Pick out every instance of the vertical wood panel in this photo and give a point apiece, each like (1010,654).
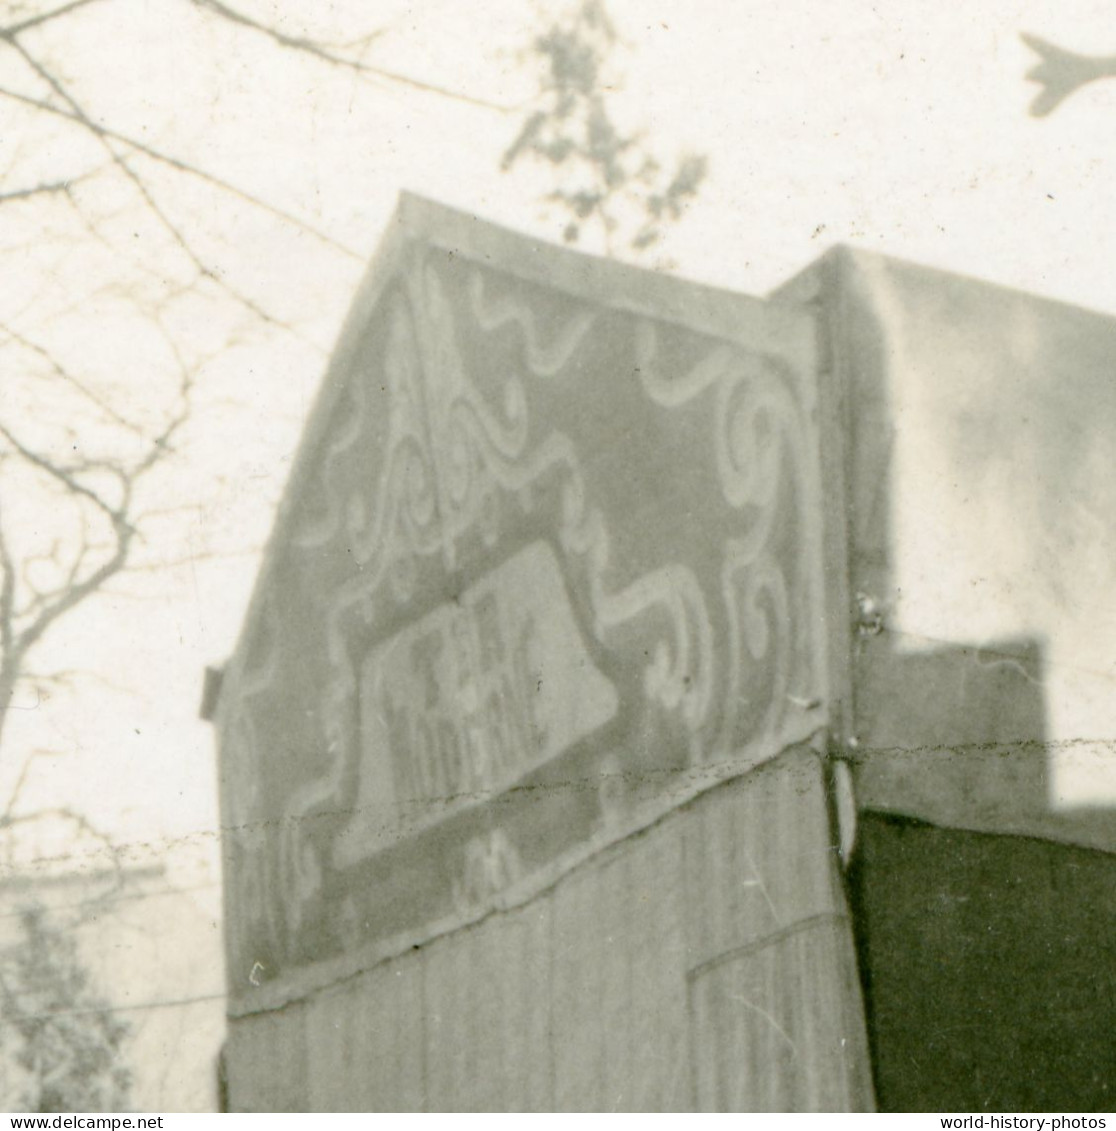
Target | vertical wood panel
(538,1047)
(576,991)
(701,963)
(334,1045)
(368,1008)
(446,1033)
(660,1060)
(769,1016)
(266,1058)
(613,930)
(856,1067)
(787,836)
(488,1042)
(758,857)
(776,1027)
(487,963)
(365,1042)
(523,1024)
(407,1034)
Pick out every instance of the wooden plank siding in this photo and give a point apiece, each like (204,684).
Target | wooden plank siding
(705,963)
(267,1062)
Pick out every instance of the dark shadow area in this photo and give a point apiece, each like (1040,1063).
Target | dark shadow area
(985,920)
(989,968)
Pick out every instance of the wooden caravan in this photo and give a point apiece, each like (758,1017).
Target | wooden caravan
(535,749)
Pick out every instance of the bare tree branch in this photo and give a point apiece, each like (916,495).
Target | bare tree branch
(68,376)
(138,183)
(322,52)
(68,677)
(181,166)
(19,640)
(7,612)
(12,30)
(63,475)
(45,189)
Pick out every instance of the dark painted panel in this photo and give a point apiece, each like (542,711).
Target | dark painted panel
(550,567)
(990,969)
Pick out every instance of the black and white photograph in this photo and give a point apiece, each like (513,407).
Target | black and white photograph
(558,556)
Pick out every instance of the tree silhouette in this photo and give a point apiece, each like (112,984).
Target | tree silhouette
(88,422)
(67,1041)
(604,174)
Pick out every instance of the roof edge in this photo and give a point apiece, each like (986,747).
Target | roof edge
(725,313)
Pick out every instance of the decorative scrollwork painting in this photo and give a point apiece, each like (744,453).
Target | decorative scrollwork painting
(549,567)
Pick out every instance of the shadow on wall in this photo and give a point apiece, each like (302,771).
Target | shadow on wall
(974,432)
(987,943)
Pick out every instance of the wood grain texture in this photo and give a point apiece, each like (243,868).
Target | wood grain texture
(266,1062)
(773,1027)
(704,963)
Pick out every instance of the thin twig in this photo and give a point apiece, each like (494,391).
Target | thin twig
(68,376)
(45,189)
(181,166)
(140,185)
(12,30)
(320,51)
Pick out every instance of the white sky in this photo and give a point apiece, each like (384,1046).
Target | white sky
(899,127)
